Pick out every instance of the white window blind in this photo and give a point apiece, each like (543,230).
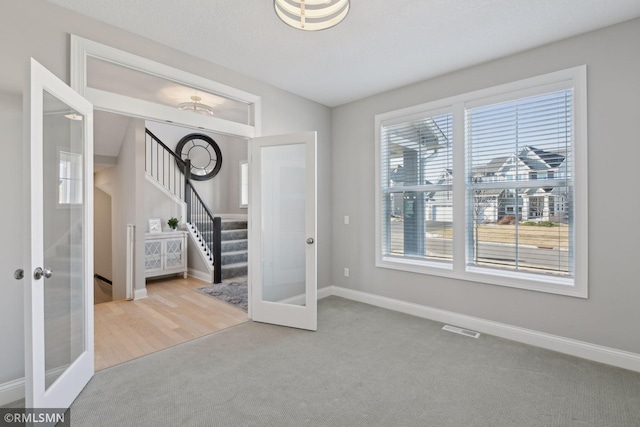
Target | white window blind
(519,180)
(416,160)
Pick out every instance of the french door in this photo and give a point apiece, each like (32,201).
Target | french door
(58,280)
(282,227)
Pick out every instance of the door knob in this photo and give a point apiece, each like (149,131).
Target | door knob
(310,241)
(39,272)
(18,274)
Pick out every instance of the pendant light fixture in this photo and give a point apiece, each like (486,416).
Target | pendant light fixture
(311,15)
(196,106)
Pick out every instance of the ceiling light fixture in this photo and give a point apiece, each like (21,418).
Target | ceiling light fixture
(73,116)
(311,15)
(196,106)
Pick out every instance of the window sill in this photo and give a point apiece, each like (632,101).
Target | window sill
(533,282)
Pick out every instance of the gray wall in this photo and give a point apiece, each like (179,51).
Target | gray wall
(128,208)
(11,246)
(610,316)
(102,248)
(43,31)
(125,183)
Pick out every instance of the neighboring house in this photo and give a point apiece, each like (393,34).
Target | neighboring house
(534,203)
(491,205)
(439,204)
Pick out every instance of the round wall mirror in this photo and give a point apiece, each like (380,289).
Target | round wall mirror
(204,154)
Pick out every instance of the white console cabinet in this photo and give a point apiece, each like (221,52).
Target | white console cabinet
(165,253)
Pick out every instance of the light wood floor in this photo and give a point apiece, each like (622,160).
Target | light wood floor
(172,314)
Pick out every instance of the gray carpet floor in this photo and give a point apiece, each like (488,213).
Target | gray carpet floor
(365,366)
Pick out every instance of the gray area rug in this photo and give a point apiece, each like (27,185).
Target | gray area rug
(365,366)
(234,293)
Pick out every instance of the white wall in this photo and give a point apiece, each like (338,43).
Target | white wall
(610,317)
(47,40)
(158,205)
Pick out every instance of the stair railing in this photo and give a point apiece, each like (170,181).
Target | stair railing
(173,173)
(209,228)
(164,166)
(103,279)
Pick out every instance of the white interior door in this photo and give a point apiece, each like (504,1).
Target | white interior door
(58,278)
(282,230)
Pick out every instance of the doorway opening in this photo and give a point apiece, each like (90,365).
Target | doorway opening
(126,192)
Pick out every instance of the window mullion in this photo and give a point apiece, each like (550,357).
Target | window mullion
(459,193)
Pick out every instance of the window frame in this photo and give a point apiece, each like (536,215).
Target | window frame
(79,180)
(243,184)
(445,263)
(576,286)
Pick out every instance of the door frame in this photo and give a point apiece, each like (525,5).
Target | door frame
(82,48)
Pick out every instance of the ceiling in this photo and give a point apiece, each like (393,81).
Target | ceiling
(381,45)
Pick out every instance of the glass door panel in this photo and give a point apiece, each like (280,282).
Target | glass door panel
(283,223)
(63,204)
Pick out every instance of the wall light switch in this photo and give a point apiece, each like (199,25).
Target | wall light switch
(346,220)
(346,272)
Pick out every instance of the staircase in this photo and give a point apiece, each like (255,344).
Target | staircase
(234,248)
(222,243)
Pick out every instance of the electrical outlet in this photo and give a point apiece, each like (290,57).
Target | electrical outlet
(346,220)
(346,272)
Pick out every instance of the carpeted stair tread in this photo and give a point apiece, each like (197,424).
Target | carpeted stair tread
(234,257)
(234,225)
(235,245)
(234,234)
(234,270)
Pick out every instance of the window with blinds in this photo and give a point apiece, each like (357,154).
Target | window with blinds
(519,184)
(417,203)
(489,186)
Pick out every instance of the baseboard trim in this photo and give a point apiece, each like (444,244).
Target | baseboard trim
(11,391)
(584,350)
(207,277)
(300,299)
(327,291)
(139,293)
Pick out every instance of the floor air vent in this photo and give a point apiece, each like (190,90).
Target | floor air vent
(465,332)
